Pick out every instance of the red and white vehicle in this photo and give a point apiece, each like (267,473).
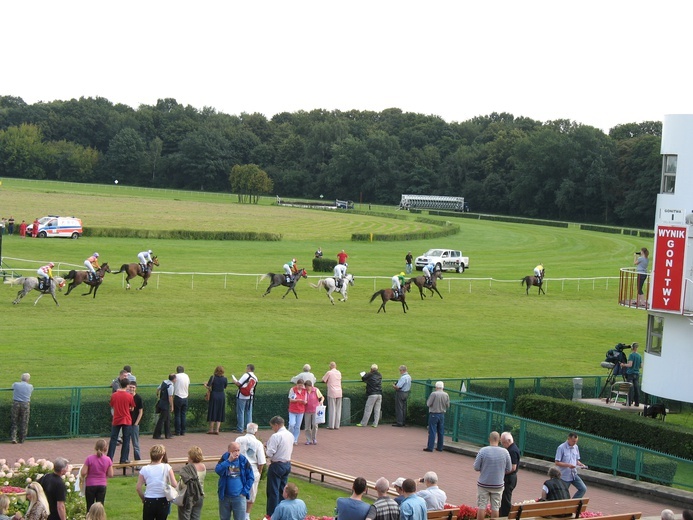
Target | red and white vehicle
(55,226)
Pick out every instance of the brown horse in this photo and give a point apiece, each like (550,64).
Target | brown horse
(389,294)
(135,269)
(534,281)
(280,279)
(420,282)
(79,277)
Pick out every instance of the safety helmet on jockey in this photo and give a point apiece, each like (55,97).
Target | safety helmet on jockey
(293,261)
(150,251)
(96,255)
(346,265)
(51,264)
(401,274)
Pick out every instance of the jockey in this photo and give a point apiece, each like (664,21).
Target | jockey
(428,272)
(397,282)
(144,257)
(339,274)
(539,272)
(92,263)
(46,272)
(290,269)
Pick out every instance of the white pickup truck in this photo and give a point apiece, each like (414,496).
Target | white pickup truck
(445,260)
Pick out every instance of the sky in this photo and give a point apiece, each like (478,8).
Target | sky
(598,63)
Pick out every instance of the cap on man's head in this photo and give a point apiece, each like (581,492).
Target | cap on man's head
(398,482)
(374,367)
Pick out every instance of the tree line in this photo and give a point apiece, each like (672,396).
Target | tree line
(500,163)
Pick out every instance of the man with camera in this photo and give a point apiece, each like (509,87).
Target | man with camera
(632,368)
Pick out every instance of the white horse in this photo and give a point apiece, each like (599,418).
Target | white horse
(32,283)
(330,286)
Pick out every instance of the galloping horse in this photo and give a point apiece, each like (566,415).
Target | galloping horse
(420,282)
(31,283)
(280,279)
(389,294)
(534,281)
(135,269)
(330,287)
(79,277)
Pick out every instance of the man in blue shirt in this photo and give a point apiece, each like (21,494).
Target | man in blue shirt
(633,374)
(402,388)
(235,481)
(292,507)
(568,461)
(413,507)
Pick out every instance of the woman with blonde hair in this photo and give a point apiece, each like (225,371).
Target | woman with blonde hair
(96,512)
(38,503)
(95,472)
(155,476)
(192,481)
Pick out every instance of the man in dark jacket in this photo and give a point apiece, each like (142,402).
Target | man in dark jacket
(235,480)
(374,393)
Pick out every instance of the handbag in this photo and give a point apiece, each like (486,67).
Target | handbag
(180,499)
(170,491)
(208,395)
(320,414)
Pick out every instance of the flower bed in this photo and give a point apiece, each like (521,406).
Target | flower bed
(14,477)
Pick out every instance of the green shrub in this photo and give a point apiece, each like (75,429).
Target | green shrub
(181,234)
(324,265)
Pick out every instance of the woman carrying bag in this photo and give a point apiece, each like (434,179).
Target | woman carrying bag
(216,404)
(156,476)
(191,486)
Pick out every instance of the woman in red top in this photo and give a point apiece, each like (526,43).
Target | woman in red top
(298,397)
(315,398)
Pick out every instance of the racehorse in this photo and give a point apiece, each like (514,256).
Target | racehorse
(79,277)
(534,281)
(31,283)
(389,294)
(420,282)
(330,287)
(135,269)
(280,279)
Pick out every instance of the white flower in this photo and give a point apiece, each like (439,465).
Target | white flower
(20,461)
(2,474)
(28,480)
(31,462)
(9,475)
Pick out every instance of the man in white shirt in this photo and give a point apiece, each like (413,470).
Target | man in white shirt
(253,450)
(280,447)
(434,496)
(180,400)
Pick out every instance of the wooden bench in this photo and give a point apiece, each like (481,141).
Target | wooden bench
(443,514)
(570,506)
(324,472)
(624,516)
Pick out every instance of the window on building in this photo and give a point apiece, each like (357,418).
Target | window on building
(655,328)
(669,173)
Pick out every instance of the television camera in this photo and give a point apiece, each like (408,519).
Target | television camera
(614,358)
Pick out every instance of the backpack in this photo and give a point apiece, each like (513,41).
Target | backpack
(247,388)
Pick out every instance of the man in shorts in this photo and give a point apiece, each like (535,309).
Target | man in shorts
(493,462)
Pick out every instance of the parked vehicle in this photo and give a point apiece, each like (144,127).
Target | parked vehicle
(445,260)
(55,226)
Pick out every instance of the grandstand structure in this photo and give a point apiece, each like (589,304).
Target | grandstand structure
(432,202)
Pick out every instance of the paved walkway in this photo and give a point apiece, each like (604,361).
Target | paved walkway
(370,453)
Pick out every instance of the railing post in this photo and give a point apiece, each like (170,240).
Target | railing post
(75,405)
(511,396)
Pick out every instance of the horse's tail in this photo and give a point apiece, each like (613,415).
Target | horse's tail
(319,285)
(524,281)
(123,267)
(376,294)
(71,275)
(268,275)
(15,281)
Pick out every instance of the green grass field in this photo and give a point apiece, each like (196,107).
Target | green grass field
(480,328)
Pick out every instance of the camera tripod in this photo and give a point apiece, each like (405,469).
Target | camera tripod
(610,380)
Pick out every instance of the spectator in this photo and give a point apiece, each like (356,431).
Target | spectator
(402,388)
(687,514)
(136,415)
(668,514)
(279,450)
(333,378)
(235,482)
(408,261)
(353,507)
(318,253)
(21,408)
(555,488)
(292,507)
(96,512)
(38,503)
(413,507)
(34,228)
(397,484)
(510,480)
(315,398)
(298,397)
(122,404)
(155,476)
(192,483)
(374,393)
(4,507)
(342,257)
(384,507)
(95,472)
(128,373)
(633,374)
(54,487)
(10,226)
(22,229)
(253,450)
(493,462)
(438,403)
(306,375)
(434,497)
(164,407)
(245,397)
(568,459)
(216,405)
(115,384)
(180,400)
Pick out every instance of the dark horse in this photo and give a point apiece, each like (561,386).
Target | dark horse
(280,279)
(420,282)
(534,281)
(79,277)
(389,294)
(135,269)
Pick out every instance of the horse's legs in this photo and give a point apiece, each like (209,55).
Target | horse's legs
(404,306)
(434,288)
(91,288)
(421,292)
(541,290)
(146,279)
(96,288)
(70,287)
(53,295)
(21,294)
(329,295)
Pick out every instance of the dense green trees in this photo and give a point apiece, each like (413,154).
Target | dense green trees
(499,163)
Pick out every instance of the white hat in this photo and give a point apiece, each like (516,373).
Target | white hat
(398,483)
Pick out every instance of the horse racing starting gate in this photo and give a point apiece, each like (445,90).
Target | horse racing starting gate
(432,202)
